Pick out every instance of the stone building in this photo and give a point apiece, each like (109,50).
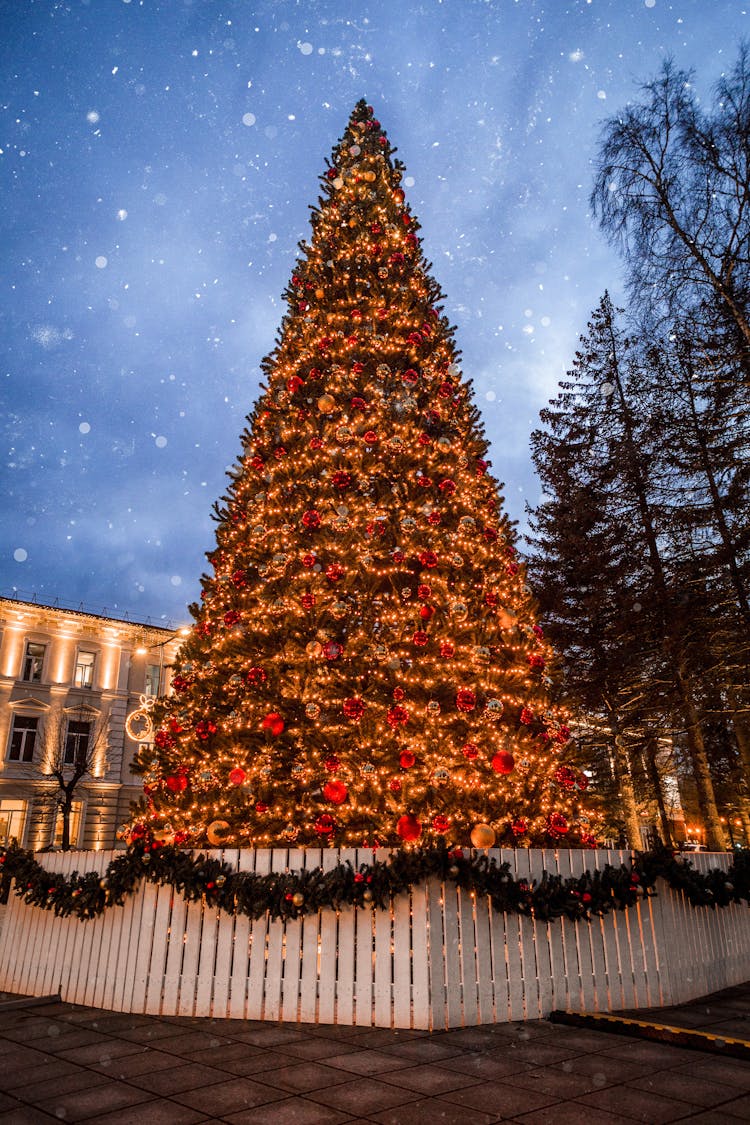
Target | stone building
(69,682)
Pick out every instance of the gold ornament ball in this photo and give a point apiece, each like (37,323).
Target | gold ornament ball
(217,831)
(367,896)
(298,898)
(320,294)
(326,404)
(482,836)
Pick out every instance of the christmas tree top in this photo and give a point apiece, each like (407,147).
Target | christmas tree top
(365,665)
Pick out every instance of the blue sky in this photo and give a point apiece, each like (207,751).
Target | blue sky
(158,161)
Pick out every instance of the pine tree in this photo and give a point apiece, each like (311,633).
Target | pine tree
(365,664)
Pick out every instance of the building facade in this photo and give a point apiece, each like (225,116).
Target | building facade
(69,683)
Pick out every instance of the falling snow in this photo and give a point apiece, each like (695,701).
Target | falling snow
(157,186)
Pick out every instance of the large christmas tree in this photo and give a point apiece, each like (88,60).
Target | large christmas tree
(365,665)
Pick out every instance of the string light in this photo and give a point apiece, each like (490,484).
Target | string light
(365,579)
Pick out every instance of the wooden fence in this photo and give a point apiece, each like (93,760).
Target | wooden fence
(440,957)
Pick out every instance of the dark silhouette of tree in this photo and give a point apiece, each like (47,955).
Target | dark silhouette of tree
(672,190)
(631,607)
(74,743)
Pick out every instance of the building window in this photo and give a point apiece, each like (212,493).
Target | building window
(22,738)
(75,825)
(84,674)
(77,743)
(12,817)
(153,680)
(33,662)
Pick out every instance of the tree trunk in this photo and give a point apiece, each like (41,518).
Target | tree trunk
(654,777)
(742,734)
(715,840)
(625,788)
(65,810)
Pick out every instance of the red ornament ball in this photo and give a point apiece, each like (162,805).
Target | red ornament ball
(273,722)
(420,638)
(332,650)
(395,785)
(470,751)
(441,824)
(466,699)
(503,762)
(177,783)
(426,612)
(519,826)
(557,824)
(311,518)
(332,763)
(335,792)
(325,825)
(409,828)
(397,716)
(354,708)
(237,776)
(447,650)
(407,759)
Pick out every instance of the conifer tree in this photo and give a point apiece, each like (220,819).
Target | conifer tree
(365,664)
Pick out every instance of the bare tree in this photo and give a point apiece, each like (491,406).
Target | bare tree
(74,744)
(672,189)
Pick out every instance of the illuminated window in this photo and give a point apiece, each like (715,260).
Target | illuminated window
(75,825)
(84,674)
(22,738)
(153,679)
(77,743)
(33,662)
(12,817)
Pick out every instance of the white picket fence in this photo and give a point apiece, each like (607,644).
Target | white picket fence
(440,957)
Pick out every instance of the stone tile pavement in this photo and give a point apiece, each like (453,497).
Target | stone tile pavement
(64,1063)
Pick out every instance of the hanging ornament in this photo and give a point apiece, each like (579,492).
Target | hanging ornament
(297,769)
(311,519)
(273,722)
(557,824)
(447,650)
(354,708)
(332,650)
(290,832)
(459,610)
(139,725)
(217,832)
(312,710)
(494,709)
(368,770)
(520,826)
(315,650)
(332,763)
(177,783)
(440,776)
(409,828)
(470,751)
(482,836)
(466,699)
(441,824)
(503,762)
(335,792)
(397,716)
(326,404)
(433,708)
(237,776)
(407,758)
(325,825)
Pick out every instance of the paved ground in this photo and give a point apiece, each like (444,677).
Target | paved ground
(59,1062)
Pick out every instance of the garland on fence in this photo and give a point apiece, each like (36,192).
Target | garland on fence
(292,894)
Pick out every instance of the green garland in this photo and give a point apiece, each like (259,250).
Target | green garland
(292,894)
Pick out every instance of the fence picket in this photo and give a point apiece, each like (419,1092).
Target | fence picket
(436,958)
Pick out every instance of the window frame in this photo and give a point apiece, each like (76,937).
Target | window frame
(30,664)
(10,834)
(79,667)
(24,757)
(72,757)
